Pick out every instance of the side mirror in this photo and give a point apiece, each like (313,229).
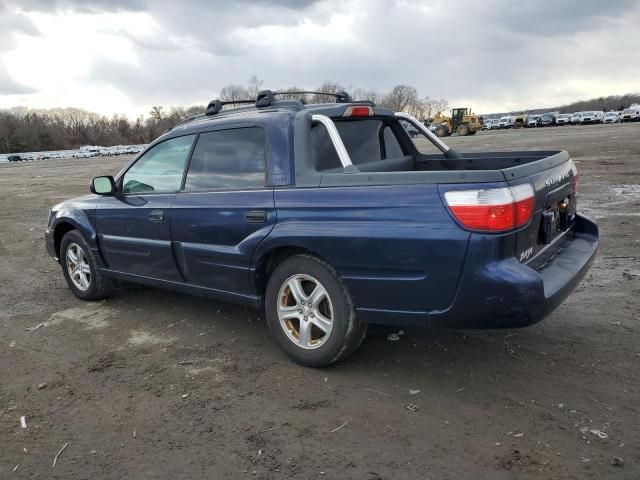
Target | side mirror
(103,185)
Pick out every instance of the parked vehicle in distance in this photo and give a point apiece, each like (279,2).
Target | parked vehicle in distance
(507,122)
(611,117)
(491,124)
(520,121)
(591,117)
(563,119)
(343,221)
(411,130)
(14,158)
(631,114)
(534,121)
(576,118)
(548,119)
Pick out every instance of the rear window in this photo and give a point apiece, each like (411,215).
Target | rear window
(366,141)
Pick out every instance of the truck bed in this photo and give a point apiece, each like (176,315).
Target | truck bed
(471,168)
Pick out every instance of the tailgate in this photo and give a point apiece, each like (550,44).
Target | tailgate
(555,181)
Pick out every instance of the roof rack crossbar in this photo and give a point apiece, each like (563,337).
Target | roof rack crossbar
(216,105)
(266,98)
(341,97)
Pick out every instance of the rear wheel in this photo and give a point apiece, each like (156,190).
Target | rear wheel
(80,269)
(462,130)
(441,131)
(310,312)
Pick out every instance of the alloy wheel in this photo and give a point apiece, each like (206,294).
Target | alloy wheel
(305,311)
(78,267)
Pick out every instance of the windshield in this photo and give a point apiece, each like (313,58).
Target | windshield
(628,110)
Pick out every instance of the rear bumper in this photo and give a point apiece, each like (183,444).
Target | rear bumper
(509,294)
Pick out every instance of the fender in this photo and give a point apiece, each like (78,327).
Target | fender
(80,213)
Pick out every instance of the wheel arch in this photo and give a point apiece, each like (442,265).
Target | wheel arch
(66,221)
(271,258)
(61,229)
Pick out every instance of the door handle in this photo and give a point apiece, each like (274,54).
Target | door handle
(156,215)
(256,216)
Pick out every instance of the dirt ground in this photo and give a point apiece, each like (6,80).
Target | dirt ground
(153,384)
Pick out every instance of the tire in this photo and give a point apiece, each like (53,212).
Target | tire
(89,283)
(441,131)
(287,310)
(462,130)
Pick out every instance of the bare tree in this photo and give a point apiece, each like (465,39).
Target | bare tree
(285,95)
(255,85)
(156,112)
(9,127)
(357,93)
(233,93)
(402,98)
(428,107)
(328,87)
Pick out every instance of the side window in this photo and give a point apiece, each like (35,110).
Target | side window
(228,159)
(422,143)
(391,146)
(160,169)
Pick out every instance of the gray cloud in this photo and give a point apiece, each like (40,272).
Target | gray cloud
(83,6)
(8,86)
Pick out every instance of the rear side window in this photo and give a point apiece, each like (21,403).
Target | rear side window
(228,159)
(391,146)
(422,143)
(362,140)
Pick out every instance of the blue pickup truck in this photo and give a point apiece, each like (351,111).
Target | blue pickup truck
(332,217)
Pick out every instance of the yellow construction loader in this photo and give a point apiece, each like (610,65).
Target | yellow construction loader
(461,121)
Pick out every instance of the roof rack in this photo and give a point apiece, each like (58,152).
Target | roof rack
(267,97)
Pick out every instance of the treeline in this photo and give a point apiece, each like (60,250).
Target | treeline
(605,104)
(612,102)
(23,130)
(403,98)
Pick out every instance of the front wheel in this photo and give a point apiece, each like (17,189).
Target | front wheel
(310,312)
(462,130)
(80,268)
(441,131)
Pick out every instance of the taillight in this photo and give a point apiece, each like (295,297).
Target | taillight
(576,182)
(493,209)
(358,111)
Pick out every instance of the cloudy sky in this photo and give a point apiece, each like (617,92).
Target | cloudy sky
(123,56)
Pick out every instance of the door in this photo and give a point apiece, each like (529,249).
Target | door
(224,210)
(134,226)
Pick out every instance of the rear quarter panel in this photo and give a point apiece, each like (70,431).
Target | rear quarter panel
(395,247)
